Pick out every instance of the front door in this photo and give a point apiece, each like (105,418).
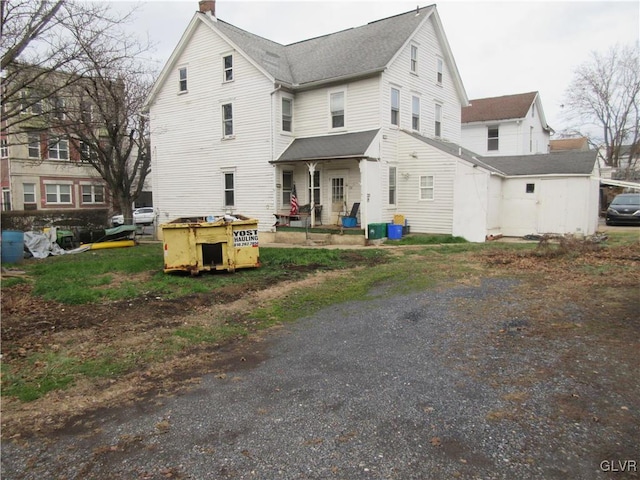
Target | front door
(337,193)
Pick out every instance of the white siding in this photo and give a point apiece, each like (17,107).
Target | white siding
(188,151)
(471,202)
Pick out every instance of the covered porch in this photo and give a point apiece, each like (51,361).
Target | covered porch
(328,178)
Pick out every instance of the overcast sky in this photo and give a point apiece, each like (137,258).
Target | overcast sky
(500,48)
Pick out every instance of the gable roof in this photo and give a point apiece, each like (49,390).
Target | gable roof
(498,108)
(350,53)
(557,163)
(329,147)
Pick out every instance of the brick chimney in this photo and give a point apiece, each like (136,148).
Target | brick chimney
(208,6)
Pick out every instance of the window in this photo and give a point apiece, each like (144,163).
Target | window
(395,106)
(492,138)
(34,145)
(92,194)
(87,153)
(530,188)
(36,103)
(182,79)
(314,188)
(415,113)
(426,187)
(337,190)
(336,101)
(86,111)
(57,108)
(439,71)
(227,63)
(229,189)
(287,187)
(4,148)
(287,114)
(227,120)
(533,111)
(58,149)
(530,139)
(24,102)
(58,193)
(29,192)
(414,59)
(6,199)
(438,120)
(392,185)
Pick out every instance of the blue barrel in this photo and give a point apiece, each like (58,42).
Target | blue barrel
(394,232)
(12,246)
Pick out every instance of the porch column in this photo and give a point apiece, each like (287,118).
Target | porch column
(312,170)
(364,196)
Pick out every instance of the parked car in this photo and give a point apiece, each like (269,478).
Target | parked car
(624,210)
(141,216)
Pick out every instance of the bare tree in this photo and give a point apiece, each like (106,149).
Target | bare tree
(604,94)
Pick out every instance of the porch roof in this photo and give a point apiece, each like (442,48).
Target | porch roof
(328,147)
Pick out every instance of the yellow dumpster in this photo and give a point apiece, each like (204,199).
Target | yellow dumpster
(204,244)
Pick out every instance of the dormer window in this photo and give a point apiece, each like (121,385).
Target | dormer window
(227,63)
(182,81)
(414,59)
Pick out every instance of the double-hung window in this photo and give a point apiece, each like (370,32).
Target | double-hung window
(287,187)
(29,193)
(414,59)
(33,140)
(4,148)
(57,108)
(395,106)
(58,149)
(287,114)
(87,153)
(227,66)
(493,138)
(227,120)
(229,189)
(182,79)
(426,187)
(439,70)
(336,101)
(56,193)
(86,111)
(92,194)
(415,113)
(314,188)
(438,120)
(392,185)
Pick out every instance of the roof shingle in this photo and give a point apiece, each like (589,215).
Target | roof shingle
(498,108)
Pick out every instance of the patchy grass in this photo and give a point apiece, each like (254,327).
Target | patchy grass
(423,239)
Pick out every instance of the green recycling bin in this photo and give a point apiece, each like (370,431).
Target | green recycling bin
(377,230)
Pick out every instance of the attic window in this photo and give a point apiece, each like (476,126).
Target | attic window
(531,187)
(414,59)
(439,71)
(182,82)
(228,67)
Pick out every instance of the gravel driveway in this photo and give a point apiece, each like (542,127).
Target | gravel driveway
(447,383)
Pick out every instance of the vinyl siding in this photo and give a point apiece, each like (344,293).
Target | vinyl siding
(188,149)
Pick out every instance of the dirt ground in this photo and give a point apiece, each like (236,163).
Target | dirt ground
(607,280)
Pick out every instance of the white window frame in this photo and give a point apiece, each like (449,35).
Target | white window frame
(285,117)
(338,113)
(58,106)
(415,113)
(93,192)
(315,189)
(6,199)
(30,190)
(4,148)
(33,138)
(287,187)
(226,189)
(394,107)
(437,120)
(227,120)
(58,148)
(427,187)
(59,192)
(493,139)
(413,65)
(439,70)
(393,184)
(227,71)
(183,77)
(86,111)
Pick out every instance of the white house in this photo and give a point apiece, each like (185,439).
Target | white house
(506,125)
(368,115)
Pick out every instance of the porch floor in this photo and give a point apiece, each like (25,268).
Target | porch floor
(331,229)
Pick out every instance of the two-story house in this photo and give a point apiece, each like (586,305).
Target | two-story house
(506,125)
(43,168)
(368,115)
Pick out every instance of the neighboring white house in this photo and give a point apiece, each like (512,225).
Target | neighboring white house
(368,115)
(506,125)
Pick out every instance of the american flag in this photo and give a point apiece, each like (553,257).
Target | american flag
(294,202)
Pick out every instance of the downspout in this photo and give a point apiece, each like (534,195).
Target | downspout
(272,135)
